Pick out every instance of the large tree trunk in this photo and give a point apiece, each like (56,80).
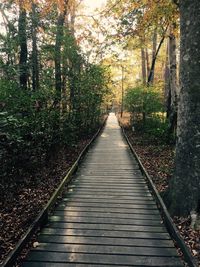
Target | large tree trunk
(23,68)
(35,65)
(185,185)
(144,73)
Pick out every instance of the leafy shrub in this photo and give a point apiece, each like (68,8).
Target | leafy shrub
(142,99)
(147,110)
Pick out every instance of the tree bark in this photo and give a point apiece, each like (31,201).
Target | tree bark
(35,65)
(154,48)
(167,83)
(147,62)
(185,185)
(23,68)
(173,82)
(143,59)
(151,73)
(58,45)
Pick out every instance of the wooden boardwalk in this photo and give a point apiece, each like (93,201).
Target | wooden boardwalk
(108,216)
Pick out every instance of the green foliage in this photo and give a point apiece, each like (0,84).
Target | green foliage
(144,100)
(36,121)
(146,107)
(31,125)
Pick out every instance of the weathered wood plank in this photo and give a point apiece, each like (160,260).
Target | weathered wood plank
(133,186)
(108,181)
(58,264)
(104,194)
(106,233)
(113,227)
(120,221)
(108,196)
(110,249)
(107,200)
(111,188)
(104,259)
(110,205)
(108,215)
(135,242)
(106,209)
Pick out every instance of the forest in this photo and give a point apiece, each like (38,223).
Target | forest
(64,65)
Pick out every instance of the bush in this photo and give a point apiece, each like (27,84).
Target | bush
(147,110)
(139,100)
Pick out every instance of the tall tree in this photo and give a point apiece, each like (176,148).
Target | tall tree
(172,80)
(59,40)
(35,64)
(154,47)
(155,55)
(185,185)
(147,61)
(22,33)
(144,69)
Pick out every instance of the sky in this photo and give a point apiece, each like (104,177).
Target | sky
(93,4)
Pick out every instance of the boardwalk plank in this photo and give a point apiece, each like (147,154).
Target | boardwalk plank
(108,215)
(93,226)
(105,233)
(120,221)
(121,211)
(135,242)
(110,205)
(108,196)
(133,187)
(110,250)
(108,200)
(103,259)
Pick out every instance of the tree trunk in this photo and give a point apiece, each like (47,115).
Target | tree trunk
(59,37)
(35,65)
(173,82)
(72,18)
(167,83)
(185,185)
(154,48)
(151,73)
(143,59)
(58,45)
(23,68)
(147,62)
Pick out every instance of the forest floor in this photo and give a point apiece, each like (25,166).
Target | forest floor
(158,159)
(24,200)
